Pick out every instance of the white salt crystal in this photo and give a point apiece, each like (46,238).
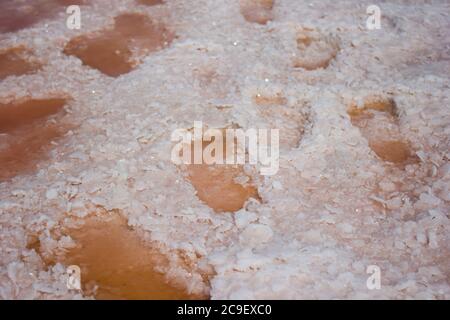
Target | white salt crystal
(277,185)
(51,194)
(256,234)
(242,218)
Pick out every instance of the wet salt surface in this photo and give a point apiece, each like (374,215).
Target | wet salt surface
(338,203)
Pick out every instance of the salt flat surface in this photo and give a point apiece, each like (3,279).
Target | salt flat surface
(334,208)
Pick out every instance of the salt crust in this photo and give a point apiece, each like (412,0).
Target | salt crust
(318,227)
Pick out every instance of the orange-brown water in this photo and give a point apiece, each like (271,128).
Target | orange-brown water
(150,2)
(26,134)
(113,258)
(394,151)
(377,121)
(269,100)
(257,11)
(16,62)
(216,185)
(117,51)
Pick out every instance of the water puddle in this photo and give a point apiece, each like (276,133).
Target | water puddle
(394,151)
(27,129)
(378,122)
(218,187)
(223,187)
(119,50)
(17,61)
(257,11)
(116,264)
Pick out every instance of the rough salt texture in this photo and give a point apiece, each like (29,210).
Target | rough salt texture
(333,208)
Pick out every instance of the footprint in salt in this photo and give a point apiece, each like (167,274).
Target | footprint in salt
(17,61)
(17,15)
(27,130)
(119,50)
(223,187)
(257,11)
(117,264)
(377,121)
(315,50)
(292,120)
